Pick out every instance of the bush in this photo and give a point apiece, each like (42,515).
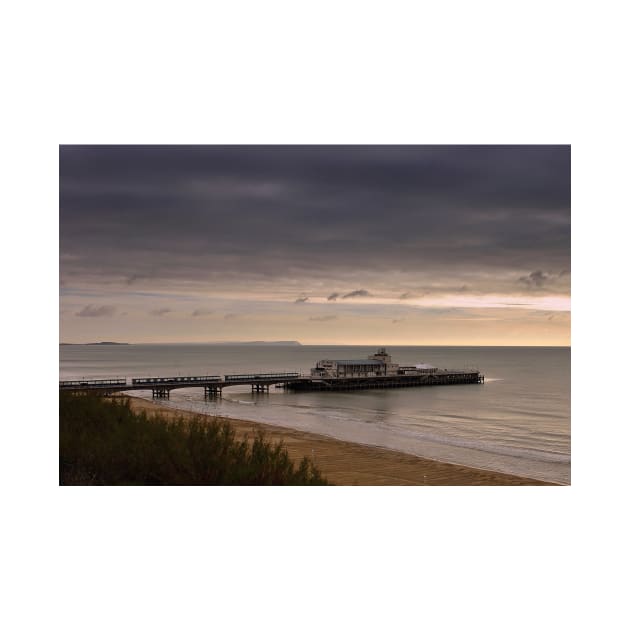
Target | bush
(104,442)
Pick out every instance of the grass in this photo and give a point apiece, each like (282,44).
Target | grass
(104,442)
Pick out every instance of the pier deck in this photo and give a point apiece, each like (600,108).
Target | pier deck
(292,381)
(441,377)
(162,386)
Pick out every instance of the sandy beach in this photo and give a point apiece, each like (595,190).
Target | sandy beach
(349,464)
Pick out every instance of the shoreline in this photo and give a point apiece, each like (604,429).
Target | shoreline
(349,463)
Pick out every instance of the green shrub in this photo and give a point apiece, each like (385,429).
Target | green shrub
(104,442)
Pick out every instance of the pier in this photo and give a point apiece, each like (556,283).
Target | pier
(213,386)
(377,372)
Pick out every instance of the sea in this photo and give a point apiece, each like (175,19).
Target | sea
(518,421)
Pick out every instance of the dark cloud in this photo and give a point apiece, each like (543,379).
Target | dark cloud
(301,300)
(213,214)
(229,316)
(135,277)
(201,312)
(159,312)
(397,321)
(323,318)
(478,175)
(535,279)
(96,311)
(408,295)
(357,293)
(333,296)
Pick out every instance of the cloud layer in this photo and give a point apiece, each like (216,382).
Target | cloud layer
(199,212)
(178,228)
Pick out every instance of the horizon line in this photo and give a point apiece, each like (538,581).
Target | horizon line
(290,343)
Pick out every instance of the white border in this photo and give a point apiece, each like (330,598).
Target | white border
(342,73)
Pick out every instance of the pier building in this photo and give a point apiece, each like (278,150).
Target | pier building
(378,364)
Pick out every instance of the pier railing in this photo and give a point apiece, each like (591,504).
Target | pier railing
(165,380)
(93,382)
(261,377)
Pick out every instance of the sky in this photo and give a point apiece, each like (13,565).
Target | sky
(374,245)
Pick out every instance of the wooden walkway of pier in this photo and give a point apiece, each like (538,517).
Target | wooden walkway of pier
(161,387)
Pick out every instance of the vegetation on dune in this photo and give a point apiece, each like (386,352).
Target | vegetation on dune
(104,442)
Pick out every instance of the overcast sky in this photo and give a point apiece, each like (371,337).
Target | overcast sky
(358,244)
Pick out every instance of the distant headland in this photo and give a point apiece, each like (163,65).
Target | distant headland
(254,343)
(97,343)
(212,343)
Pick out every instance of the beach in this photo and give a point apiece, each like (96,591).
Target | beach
(347,463)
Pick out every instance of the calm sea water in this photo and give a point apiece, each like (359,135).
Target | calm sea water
(517,422)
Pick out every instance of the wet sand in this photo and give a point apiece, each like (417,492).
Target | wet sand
(349,464)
